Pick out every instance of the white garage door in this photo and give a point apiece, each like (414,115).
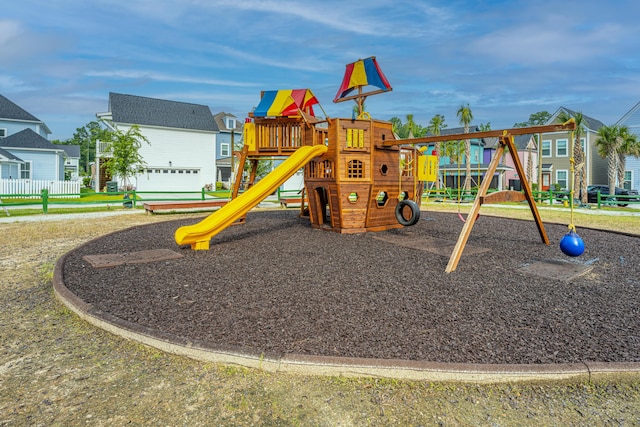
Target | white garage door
(169,179)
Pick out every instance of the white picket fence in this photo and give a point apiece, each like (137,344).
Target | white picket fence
(21,187)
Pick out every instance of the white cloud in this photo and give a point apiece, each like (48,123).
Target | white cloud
(163,77)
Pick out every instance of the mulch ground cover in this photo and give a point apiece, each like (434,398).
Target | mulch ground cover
(277,286)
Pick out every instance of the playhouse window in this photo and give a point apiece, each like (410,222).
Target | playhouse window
(311,169)
(355,169)
(382,198)
(355,138)
(384,169)
(353,197)
(327,169)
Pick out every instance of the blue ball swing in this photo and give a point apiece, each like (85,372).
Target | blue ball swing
(571,244)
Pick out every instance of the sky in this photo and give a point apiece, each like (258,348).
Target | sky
(59,59)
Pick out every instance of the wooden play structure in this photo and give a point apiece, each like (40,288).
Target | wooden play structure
(360,184)
(359,177)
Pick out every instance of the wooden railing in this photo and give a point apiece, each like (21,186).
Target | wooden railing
(279,135)
(282,136)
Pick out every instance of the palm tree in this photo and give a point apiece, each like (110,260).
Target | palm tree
(396,125)
(607,143)
(579,174)
(411,125)
(629,146)
(357,110)
(465,115)
(435,126)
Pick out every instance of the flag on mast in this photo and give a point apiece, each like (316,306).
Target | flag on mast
(363,72)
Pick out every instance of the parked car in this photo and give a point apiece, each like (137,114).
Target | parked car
(592,194)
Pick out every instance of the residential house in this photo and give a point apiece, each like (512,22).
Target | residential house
(632,164)
(29,162)
(71,162)
(230,135)
(452,160)
(10,165)
(40,159)
(181,154)
(14,119)
(527,150)
(556,154)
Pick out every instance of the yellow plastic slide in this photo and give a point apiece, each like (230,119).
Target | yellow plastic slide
(199,235)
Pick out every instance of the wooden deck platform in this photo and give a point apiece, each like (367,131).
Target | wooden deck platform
(151,207)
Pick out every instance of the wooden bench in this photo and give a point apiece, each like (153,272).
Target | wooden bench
(503,196)
(151,207)
(284,201)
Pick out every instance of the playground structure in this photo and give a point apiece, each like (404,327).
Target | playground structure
(357,176)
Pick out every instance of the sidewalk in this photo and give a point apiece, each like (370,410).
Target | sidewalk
(67,216)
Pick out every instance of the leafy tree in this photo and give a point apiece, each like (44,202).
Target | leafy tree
(608,143)
(358,110)
(125,150)
(411,126)
(86,137)
(396,124)
(465,115)
(535,119)
(410,129)
(629,146)
(435,126)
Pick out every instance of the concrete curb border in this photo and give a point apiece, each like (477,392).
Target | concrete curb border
(339,366)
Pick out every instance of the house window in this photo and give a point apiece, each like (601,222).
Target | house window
(627,180)
(3,133)
(25,170)
(561,148)
(546,148)
(231,123)
(224,150)
(9,171)
(561,179)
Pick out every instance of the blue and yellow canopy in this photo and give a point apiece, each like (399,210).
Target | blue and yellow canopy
(284,103)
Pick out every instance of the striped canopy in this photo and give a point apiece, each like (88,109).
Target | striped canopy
(283,103)
(364,72)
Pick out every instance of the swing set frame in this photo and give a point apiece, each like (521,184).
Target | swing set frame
(505,140)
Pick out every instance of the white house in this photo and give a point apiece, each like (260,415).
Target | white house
(181,154)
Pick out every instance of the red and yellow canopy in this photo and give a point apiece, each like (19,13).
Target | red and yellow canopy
(284,103)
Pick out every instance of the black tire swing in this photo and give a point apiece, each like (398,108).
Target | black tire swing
(414,209)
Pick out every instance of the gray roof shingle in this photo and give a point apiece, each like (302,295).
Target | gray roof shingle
(590,122)
(139,110)
(27,138)
(11,111)
(9,156)
(71,150)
